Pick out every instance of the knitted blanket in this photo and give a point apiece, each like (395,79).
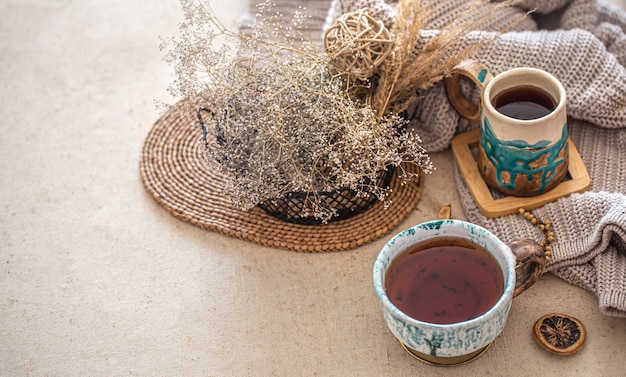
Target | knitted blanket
(583,44)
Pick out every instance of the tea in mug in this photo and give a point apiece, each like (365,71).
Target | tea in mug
(524,103)
(444,281)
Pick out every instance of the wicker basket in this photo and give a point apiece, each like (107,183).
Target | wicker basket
(345,201)
(293,206)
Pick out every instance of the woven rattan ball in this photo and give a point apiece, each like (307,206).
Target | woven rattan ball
(357,44)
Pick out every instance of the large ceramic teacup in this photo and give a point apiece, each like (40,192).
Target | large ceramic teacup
(519,265)
(523,148)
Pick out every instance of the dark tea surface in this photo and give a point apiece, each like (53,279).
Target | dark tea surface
(524,102)
(444,281)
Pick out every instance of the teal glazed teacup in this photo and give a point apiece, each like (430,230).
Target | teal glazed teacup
(521,263)
(523,149)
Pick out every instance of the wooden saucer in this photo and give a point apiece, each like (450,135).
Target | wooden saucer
(577,180)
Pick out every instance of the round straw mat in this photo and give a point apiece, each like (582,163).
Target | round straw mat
(173,171)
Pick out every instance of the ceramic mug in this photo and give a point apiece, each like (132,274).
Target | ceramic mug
(521,263)
(523,147)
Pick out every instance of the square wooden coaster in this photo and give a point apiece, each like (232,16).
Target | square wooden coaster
(577,180)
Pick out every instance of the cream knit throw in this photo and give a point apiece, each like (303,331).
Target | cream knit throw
(583,44)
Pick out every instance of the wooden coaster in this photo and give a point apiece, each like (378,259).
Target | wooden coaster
(492,206)
(174,173)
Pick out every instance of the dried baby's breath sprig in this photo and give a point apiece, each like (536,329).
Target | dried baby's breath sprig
(276,120)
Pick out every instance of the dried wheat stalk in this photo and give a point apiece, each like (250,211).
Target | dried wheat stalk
(406,71)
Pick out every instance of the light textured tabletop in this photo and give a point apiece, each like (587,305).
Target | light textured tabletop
(98,280)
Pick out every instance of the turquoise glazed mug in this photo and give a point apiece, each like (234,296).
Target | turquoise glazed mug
(454,340)
(523,149)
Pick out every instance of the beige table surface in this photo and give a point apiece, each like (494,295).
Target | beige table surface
(96,279)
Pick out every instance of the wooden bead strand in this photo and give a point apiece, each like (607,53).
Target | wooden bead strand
(545,227)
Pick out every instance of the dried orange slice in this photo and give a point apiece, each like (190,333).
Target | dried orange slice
(560,333)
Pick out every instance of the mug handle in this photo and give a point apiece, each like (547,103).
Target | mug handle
(530,263)
(479,76)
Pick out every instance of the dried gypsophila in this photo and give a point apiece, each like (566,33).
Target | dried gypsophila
(277,120)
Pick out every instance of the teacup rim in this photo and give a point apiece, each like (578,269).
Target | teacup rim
(554,114)
(379,275)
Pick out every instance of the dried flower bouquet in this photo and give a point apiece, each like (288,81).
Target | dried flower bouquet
(278,120)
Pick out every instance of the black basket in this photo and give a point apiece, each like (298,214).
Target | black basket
(293,206)
(345,201)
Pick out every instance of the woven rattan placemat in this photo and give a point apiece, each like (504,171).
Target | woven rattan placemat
(174,172)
